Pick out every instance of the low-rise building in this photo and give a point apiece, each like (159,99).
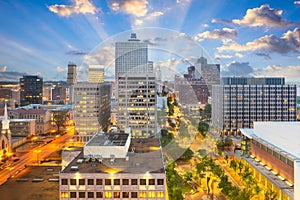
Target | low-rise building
(22,127)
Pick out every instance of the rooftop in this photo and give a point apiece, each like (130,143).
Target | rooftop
(144,156)
(108,139)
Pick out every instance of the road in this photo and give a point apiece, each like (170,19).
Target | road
(33,156)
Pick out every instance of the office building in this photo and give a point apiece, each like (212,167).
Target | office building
(240,102)
(96,74)
(31,91)
(59,94)
(115,166)
(272,151)
(72,73)
(136,86)
(91,109)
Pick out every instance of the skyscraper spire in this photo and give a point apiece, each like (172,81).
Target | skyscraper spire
(5,121)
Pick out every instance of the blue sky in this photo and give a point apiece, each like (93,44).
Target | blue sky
(247,37)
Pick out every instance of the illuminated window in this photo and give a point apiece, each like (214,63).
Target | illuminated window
(99,195)
(160,194)
(81,194)
(107,195)
(151,194)
(160,181)
(72,181)
(125,181)
(133,194)
(90,194)
(125,194)
(117,195)
(133,181)
(64,195)
(64,181)
(81,181)
(107,181)
(90,181)
(72,194)
(142,181)
(117,181)
(151,181)
(143,195)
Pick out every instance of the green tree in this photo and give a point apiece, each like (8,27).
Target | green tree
(270,194)
(174,183)
(203,128)
(187,155)
(59,118)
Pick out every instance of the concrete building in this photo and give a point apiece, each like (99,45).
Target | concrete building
(136,86)
(31,90)
(272,151)
(22,127)
(238,104)
(72,73)
(59,93)
(91,109)
(41,116)
(96,74)
(115,166)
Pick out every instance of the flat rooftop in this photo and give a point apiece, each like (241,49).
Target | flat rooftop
(144,156)
(108,139)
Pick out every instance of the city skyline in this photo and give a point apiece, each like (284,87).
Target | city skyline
(250,38)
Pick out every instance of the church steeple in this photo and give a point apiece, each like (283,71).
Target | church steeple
(5,129)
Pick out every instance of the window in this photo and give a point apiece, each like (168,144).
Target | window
(64,181)
(133,181)
(90,181)
(90,194)
(98,181)
(81,181)
(151,194)
(117,195)
(117,181)
(73,194)
(151,181)
(99,195)
(125,181)
(81,194)
(107,181)
(64,195)
(133,194)
(160,194)
(142,181)
(160,181)
(143,195)
(107,195)
(125,194)
(72,181)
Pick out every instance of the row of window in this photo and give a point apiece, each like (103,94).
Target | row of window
(114,181)
(109,195)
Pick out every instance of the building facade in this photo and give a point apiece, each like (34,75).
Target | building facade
(115,166)
(72,73)
(22,127)
(96,74)
(31,90)
(91,109)
(236,106)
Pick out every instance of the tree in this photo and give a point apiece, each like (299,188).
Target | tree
(59,118)
(270,194)
(174,183)
(188,154)
(203,128)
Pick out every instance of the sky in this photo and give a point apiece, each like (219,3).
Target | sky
(246,37)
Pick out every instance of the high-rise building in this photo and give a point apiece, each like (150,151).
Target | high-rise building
(241,101)
(91,109)
(31,91)
(72,73)
(96,74)
(271,151)
(136,86)
(115,166)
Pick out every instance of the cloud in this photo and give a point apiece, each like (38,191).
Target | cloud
(155,41)
(298,57)
(3,69)
(292,73)
(289,42)
(220,56)
(239,55)
(78,7)
(263,16)
(297,2)
(216,34)
(60,69)
(76,53)
(11,76)
(136,8)
(265,55)
(238,69)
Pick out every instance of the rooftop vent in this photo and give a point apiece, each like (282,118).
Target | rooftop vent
(79,161)
(74,168)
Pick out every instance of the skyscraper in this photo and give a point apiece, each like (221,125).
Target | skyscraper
(31,91)
(136,84)
(96,74)
(72,73)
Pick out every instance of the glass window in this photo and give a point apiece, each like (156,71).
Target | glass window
(98,181)
(64,181)
(151,181)
(90,194)
(133,194)
(142,181)
(90,181)
(81,194)
(73,194)
(133,181)
(151,194)
(117,195)
(125,194)
(72,181)
(81,181)
(64,195)
(107,181)
(160,181)
(143,195)
(125,181)
(108,195)
(117,181)
(99,195)
(160,194)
